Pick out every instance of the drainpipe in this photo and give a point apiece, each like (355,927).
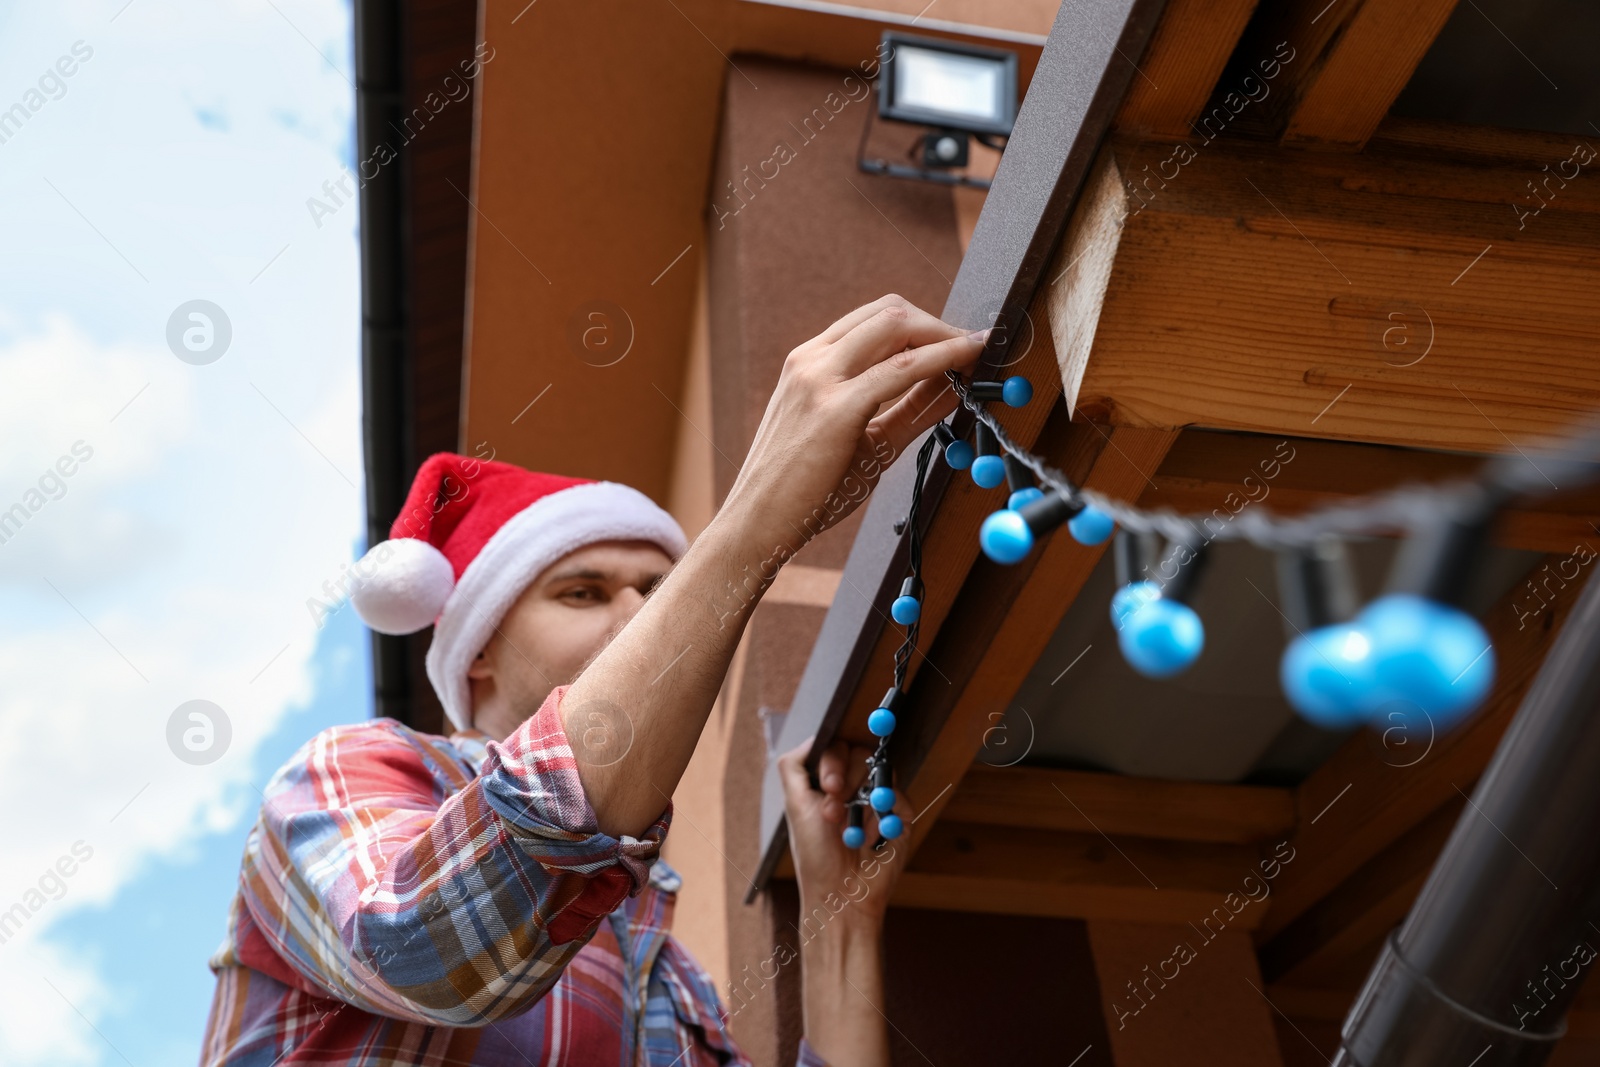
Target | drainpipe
(385,356)
(1484,968)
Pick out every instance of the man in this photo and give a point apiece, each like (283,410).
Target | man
(495,897)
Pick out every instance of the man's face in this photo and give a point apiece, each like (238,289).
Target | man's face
(559,623)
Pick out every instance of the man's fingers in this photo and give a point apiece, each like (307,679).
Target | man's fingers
(792,771)
(830,771)
(889,378)
(903,421)
(845,323)
(841,770)
(891,330)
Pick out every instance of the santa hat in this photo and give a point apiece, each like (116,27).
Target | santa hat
(472,536)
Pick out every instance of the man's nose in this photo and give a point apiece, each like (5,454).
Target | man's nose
(628,602)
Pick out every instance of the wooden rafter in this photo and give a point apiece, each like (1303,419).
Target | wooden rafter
(1023,871)
(1347,926)
(1043,799)
(1363,298)
(1180,67)
(1352,58)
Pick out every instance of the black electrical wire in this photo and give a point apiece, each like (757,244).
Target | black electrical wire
(908,644)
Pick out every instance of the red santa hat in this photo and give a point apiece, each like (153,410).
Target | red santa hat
(472,536)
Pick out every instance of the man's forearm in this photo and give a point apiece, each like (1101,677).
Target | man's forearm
(846,403)
(842,990)
(649,692)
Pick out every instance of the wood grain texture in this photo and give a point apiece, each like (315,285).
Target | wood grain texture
(1350,923)
(1020,896)
(1352,59)
(1081,801)
(1399,137)
(1392,300)
(1011,870)
(1181,66)
(1379,786)
(1075,290)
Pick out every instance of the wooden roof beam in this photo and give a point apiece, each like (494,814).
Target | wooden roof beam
(1241,287)
(1023,871)
(1345,929)
(1086,802)
(1351,59)
(1181,66)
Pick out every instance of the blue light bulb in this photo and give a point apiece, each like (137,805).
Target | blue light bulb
(1091,525)
(1131,598)
(854,837)
(1430,655)
(1161,638)
(905,610)
(1016,391)
(1004,537)
(891,827)
(1327,676)
(882,799)
(881,722)
(988,471)
(1026,495)
(959,455)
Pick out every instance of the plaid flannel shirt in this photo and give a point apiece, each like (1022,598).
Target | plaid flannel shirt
(411,899)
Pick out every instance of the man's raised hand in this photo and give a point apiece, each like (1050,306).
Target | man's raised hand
(847,403)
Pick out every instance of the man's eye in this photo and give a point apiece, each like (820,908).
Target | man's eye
(582,593)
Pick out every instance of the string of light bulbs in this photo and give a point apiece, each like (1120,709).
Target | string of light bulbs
(1411,651)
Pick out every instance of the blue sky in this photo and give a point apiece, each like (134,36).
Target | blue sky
(151,942)
(169,517)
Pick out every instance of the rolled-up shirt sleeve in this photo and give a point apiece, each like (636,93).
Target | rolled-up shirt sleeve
(385,876)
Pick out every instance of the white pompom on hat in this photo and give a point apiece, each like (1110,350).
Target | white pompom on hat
(409,585)
(473,534)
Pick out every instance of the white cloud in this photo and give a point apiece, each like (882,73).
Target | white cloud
(177,562)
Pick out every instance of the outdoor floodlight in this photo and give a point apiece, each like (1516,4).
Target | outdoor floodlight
(955,91)
(952,86)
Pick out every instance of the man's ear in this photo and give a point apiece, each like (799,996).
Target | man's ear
(480,667)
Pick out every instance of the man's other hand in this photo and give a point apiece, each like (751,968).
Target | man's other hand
(824,864)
